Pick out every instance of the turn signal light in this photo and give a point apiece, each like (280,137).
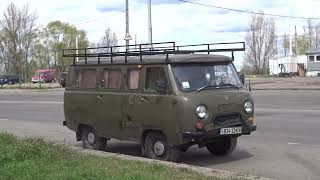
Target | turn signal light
(199,125)
(250,121)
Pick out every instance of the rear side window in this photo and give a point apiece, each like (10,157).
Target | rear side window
(78,79)
(89,79)
(133,78)
(111,79)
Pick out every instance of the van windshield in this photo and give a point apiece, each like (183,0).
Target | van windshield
(212,76)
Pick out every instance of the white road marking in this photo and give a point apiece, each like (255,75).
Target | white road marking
(292,143)
(4,119)
(30,102)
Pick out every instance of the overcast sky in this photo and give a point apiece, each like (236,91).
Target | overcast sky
(173,20)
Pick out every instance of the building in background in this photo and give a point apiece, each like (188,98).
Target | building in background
(295,65)
(313,58)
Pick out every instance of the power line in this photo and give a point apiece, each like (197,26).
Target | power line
(249,12)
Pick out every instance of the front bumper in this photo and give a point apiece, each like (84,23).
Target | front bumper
(203,135)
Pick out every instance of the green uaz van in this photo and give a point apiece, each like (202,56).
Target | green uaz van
(165,97)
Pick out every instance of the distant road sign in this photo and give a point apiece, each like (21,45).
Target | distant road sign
(127,37)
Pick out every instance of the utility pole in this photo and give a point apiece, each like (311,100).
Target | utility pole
(150,23)
(295,40)
(77,48)
(127,24)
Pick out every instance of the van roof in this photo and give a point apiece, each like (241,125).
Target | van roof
(159,59)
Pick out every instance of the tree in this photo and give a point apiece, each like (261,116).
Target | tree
(58,35)
(109,39)
(260,42)
(16,35)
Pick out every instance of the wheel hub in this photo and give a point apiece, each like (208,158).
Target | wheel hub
(158,148)
(90,138)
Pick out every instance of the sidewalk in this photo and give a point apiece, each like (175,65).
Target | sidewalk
(289,83)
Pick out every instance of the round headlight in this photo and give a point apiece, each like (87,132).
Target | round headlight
(248,107)
(201,112)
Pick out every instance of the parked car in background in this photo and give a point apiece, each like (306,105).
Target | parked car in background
(10,79)
(63,79)
(46,75)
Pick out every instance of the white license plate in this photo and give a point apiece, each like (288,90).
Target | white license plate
(233,130)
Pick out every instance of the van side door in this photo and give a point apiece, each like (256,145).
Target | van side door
(109,102)
(152,109)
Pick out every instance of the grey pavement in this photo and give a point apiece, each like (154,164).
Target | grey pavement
(286,144)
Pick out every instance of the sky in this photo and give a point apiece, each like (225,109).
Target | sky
(172,20)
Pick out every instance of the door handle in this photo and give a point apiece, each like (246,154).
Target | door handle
(143,99)
(99,97)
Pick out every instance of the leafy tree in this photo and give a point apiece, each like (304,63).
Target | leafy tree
(58,35)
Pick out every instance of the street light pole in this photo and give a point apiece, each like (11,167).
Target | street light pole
(149,22)
(127,23)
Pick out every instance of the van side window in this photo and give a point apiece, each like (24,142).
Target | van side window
(153,75)
(78,79)
(133,78)
(111,79)
(89,79)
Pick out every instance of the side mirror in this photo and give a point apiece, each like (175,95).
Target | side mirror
(242,79)
(161,86)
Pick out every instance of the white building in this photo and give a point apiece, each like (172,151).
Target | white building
(289,64)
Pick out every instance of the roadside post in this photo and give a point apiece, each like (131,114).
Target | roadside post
(19,82)
(39,80)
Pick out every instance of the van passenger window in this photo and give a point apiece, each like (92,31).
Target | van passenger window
(153,75)
(89,78)
(133,78)
(112,78)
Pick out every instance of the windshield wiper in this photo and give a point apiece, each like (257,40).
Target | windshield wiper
(230,85)
(217,86)
(206,86)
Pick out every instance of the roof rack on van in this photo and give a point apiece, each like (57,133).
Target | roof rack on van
(140,50)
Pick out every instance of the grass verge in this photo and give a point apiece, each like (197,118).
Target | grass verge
(37,159)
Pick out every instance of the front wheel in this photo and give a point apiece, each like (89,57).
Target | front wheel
(223,146)
(156,147)
(91,141)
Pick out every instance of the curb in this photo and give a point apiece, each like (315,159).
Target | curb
(201,170)
(289,89)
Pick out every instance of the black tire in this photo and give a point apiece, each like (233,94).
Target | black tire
(167,153)
(223,146)
(91,141)
(184,148)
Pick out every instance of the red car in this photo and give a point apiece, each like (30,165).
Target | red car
(46,75)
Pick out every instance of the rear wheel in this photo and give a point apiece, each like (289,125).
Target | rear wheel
(223,146)
(156,147)
(91,141)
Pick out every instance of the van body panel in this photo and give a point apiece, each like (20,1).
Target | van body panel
(126,114)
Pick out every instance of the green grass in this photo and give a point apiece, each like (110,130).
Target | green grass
(36,159)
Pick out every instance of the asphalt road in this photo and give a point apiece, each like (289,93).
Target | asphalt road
(286,144)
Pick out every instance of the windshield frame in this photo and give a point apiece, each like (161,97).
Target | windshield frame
(209,87)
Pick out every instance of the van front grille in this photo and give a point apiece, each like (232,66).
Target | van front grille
(227,120)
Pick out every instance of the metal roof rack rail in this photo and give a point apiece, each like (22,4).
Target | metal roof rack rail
(140,50)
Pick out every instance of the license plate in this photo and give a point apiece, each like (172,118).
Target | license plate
(233,130)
